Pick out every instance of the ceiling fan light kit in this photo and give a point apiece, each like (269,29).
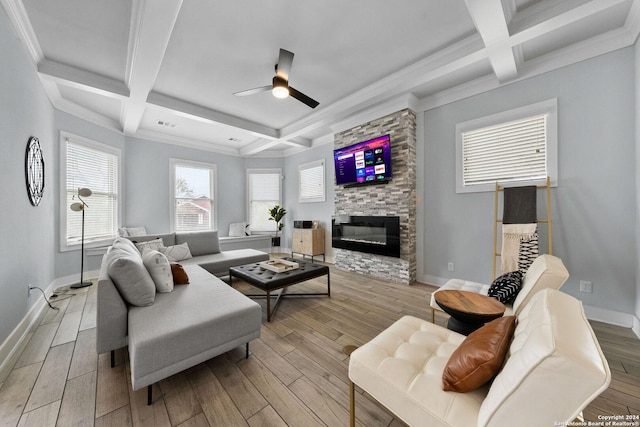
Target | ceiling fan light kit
(280,88)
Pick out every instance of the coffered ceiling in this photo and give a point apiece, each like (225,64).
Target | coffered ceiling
(166,70)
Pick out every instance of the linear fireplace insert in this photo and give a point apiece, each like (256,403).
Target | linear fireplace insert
(372,234)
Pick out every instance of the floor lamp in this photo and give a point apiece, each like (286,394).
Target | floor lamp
(80,207)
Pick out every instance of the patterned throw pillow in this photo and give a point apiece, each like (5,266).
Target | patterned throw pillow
(177,252)
(152,245)
(506,287)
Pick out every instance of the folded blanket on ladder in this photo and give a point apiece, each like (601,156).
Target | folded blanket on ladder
(519,246)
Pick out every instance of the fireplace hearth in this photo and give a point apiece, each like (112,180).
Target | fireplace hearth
(371,234)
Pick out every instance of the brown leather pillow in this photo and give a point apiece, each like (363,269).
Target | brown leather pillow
(179,275)
(480,356)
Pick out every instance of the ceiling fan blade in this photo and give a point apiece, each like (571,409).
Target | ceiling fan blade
(252,91)
(303,98)
(284,64)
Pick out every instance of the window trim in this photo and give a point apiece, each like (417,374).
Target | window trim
(311,165)
(548,107)
(64,209)
(258,171)
(173,162)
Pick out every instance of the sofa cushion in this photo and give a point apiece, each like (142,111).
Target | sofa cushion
(547,271)
(219,263)
(479,357)
(188,326)
(130,276)
(180,276)
(506,287)
(200,242)
(159,269)
(177,252)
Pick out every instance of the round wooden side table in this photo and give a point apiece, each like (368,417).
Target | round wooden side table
(468,310)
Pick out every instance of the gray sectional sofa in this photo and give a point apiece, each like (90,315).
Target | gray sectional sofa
(168,332)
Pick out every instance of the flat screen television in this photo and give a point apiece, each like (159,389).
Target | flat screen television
(367,162)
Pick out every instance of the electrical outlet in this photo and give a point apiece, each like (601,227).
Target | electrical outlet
(586,286)
(450,266)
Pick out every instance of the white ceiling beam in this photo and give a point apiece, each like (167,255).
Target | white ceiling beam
(632,24)
(68,75)
(152,23)
(203,114)
(258,146)
(489,18)
(549,16)
(298,141)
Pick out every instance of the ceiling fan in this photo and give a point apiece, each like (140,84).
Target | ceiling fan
(280,85)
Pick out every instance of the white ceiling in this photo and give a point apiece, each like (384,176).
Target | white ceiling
(166,70)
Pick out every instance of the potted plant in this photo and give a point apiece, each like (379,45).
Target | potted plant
(277,213)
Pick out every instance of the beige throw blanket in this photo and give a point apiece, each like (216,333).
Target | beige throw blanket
(512,237)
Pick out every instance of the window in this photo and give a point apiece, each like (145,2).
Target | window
(264,192)
(517,146)
(311,182)
(193,196)
(88,164)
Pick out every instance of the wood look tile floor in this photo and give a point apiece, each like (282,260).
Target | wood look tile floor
(296,374)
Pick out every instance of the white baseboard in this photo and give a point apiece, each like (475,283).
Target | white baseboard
(20,332)
(636,326)
(15,339)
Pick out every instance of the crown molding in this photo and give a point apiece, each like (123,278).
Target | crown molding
(20,20)
(185,142)
(400,103)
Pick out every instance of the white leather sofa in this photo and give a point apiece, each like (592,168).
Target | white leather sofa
(554,367)
(546,271)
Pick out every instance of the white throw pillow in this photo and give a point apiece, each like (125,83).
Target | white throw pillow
(238,229)
(159,268)
(135,231)
(151,245)
(177,253)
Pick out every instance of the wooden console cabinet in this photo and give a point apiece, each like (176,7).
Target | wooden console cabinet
(308,241)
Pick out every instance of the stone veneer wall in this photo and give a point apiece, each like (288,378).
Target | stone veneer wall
(397,198)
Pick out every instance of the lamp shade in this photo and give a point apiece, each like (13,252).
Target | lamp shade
(77,206)
(84,192)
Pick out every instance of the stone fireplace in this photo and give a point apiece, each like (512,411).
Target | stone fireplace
(395,199)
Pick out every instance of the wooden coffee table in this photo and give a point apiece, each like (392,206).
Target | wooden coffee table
(468,310)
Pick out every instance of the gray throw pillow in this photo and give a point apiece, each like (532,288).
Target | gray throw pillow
(130,277)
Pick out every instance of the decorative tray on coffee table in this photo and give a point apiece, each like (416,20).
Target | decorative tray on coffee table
(279,265)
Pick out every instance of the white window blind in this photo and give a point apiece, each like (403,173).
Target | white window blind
(514,151)
(194,196)
(92,166)
(517,146)
(264,187)
(311,180)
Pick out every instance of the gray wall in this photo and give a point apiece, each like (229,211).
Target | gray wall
(317,211)
(593,208)
(28,232)
(147,184)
